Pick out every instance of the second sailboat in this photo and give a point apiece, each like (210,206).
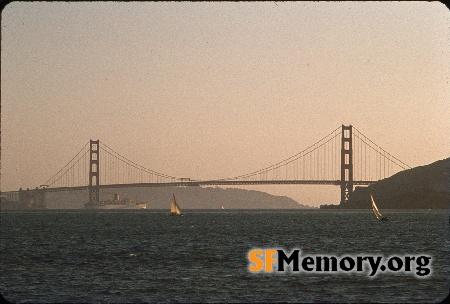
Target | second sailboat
(174,208)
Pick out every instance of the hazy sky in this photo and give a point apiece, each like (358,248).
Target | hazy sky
(214,90)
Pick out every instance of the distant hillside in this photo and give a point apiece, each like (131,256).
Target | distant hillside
(424,187)
(187,198)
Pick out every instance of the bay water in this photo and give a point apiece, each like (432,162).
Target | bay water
(148,256)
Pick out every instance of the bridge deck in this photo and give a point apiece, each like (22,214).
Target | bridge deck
(194,183)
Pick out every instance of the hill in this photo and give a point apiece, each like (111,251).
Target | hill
(424,187)
(187,198)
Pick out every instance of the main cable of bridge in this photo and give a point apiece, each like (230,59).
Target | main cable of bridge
(397,161)
(131,164)
(321,161)
(300,155)
(68,171)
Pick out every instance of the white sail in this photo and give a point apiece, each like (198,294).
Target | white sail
(375,209)
(174,208)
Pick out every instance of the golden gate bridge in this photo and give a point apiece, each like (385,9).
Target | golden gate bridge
(345,157)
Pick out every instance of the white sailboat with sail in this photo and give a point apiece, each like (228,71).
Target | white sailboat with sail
(174,208)
(376,211)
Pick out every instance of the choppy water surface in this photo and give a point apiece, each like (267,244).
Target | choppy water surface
(149,256)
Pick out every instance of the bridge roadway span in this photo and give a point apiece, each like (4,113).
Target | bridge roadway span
(198,183)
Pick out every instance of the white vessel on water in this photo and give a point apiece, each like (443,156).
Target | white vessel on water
(117,203)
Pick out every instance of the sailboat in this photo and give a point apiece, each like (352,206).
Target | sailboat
(376,211)
(174,208)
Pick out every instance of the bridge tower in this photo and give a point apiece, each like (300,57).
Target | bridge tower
(94,180)
(346,164)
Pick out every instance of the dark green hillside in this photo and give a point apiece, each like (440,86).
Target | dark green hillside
(424,187)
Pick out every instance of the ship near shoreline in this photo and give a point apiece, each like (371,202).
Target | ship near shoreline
(117,203)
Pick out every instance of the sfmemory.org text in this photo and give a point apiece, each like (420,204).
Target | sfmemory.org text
(276,260)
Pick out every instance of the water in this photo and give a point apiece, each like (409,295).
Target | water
(149,256)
